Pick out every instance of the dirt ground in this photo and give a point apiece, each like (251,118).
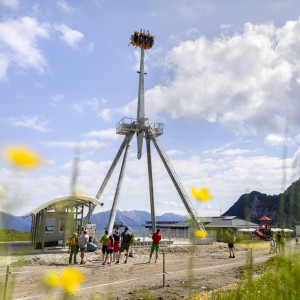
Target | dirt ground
(205,268)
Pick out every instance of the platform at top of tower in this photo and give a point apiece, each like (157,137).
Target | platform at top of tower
(126,125)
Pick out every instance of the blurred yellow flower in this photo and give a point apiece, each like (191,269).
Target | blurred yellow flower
(200,234)
(201,195)
(22,157)
(70,280)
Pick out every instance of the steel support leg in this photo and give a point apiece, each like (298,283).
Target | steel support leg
(120,181)
(151,185)
(177,185)
(107,177)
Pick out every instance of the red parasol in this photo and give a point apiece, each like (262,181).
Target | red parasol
(264,219)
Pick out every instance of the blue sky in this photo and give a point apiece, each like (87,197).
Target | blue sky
(223,77)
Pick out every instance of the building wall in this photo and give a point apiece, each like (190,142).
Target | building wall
(62,224)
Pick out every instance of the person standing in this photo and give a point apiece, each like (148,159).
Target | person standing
(104,239)
(117,244)
(156,237)
(125,243)
(272,245)
(231,241)
(82,242)
(73,248)
(110,248)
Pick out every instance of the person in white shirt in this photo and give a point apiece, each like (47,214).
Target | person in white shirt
(82,242)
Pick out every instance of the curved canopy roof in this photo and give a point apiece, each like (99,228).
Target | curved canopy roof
(65,202)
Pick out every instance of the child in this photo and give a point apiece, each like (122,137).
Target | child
(117,244)
(272,245)
(73,247)
(110,247)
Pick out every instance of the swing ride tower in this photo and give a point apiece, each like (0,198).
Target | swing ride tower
(140,126)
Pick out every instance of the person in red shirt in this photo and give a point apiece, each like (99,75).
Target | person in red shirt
(156,237)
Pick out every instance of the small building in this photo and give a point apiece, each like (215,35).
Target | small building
(215,227)
(55,221)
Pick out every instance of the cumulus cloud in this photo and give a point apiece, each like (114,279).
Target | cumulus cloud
(18,44)
(246,81)
(70,36)
(35,122)
(275,140)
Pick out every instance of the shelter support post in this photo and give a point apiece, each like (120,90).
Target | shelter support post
(119,185)
(31,228)
(44,215)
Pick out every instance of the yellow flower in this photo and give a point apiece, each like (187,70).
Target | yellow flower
(69,279)
(52,279)
(200,234)
(201,195)
(22,157)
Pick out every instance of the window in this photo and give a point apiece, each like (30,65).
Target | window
(61,226)
(50,225)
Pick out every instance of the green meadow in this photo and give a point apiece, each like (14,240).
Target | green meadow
(10,235)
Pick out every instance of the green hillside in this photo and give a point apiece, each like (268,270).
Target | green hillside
(8,235)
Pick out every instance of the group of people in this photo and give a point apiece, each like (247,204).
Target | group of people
(142,39)
(78,244)
(112,246)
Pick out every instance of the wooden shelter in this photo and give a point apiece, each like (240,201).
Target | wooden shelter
(55,221)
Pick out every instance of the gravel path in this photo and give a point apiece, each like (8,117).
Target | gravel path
(206,268)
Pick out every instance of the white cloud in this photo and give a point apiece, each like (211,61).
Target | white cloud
(64,6)
(36,123)
(246,81)
(82,105)
(109,133)
(14,4)
(275,140)
(225,26)
(69,36)
(174,152)
(90,48)
(169,203)
(235,152)
(105,114)
(56,99)
(72,144)
(18,44)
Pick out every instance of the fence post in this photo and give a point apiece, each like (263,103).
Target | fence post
(6,283)
(164,268)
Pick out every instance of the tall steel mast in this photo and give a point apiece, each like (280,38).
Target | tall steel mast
(128,127)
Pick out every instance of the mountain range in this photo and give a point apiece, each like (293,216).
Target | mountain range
(283,209)
(133,219)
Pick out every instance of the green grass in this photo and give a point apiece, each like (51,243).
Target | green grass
(8,235)
(144,294)
(279,278)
